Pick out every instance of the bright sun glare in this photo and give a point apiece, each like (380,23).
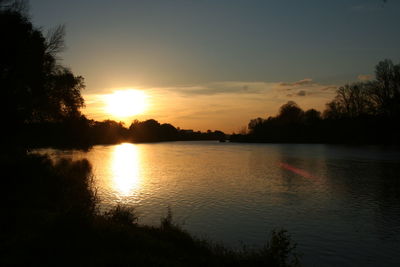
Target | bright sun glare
(126,103)
(126,168)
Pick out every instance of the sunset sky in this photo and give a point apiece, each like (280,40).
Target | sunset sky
(214,64)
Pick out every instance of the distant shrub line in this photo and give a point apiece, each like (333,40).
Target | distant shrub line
(79,131)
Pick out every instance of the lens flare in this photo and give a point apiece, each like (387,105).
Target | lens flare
(296,170)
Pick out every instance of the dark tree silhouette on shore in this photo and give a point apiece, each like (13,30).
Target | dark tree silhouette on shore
(361,112)
(290,113)
(380,97)
(35,87)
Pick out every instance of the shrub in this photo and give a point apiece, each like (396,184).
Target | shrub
(122,215)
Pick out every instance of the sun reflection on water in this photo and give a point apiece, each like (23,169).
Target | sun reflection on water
(126,169)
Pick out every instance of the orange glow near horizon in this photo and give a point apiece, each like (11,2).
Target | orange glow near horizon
(125,103)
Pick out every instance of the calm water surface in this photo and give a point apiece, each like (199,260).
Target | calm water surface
(340,204)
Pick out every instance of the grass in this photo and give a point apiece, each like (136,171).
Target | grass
(51,218)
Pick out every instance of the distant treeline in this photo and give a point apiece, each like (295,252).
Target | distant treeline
(82,132)
(362,112)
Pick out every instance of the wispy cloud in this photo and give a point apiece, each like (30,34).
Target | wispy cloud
(298,83)
(365,77)
(301,93)
(329,88)
(215,88)
(302,87)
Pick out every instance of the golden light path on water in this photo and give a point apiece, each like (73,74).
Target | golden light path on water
(125,166)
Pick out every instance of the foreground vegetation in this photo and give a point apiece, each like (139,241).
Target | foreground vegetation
(51,217)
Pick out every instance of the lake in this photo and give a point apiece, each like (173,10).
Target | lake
(341,204)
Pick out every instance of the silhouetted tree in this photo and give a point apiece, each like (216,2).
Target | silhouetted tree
(20,6)
(255,124)
(290,113)
(168,132)
(312,116)
(108,132)
(351,101)
(152,131)
(378,97)
(332,111)
(385,90)
(362,112)
(34,87)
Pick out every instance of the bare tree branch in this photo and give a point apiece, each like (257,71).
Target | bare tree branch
(20,6)
(55,40)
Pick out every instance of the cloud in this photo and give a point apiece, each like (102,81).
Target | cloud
(240,87)
(214,88)
(329,88)
(306,81)
(301,93)
(365,77)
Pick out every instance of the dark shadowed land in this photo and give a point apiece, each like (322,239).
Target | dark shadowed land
(361,113)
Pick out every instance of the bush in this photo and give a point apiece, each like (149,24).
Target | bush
(122,215)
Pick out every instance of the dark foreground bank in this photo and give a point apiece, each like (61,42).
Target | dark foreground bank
(51,217)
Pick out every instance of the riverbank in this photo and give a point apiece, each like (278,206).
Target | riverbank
(53,217)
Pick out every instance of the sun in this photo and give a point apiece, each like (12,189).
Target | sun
(126,103)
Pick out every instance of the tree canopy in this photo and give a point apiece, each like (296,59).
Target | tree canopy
(34,86)
(361,112)
(380,97)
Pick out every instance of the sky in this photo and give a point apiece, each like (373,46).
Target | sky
(216,64)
